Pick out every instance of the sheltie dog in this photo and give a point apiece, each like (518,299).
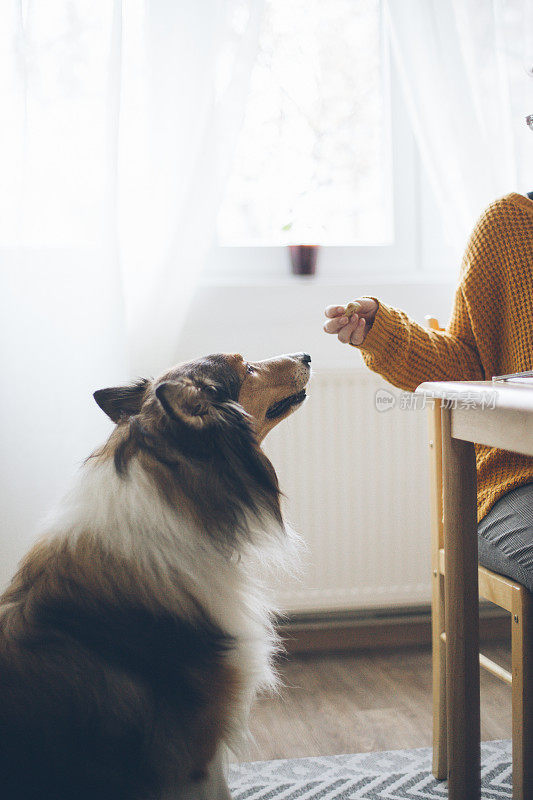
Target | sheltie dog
(138,630)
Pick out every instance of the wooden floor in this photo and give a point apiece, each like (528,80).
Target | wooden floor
(356,702)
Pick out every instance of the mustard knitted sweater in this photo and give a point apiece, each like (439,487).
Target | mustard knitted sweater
(490,331)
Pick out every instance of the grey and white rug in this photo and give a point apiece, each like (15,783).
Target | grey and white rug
(392,775)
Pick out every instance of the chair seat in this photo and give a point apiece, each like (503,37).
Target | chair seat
(499,589)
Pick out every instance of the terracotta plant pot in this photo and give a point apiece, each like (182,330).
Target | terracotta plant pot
(303,258)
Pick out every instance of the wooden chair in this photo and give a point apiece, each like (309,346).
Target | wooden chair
(505,593)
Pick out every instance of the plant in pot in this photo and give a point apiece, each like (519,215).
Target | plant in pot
(303,247)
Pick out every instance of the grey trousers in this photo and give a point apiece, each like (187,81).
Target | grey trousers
(505,536)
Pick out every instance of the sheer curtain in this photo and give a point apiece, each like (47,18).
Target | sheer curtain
(464,69)
(61,307)
(117,128)
(187,69)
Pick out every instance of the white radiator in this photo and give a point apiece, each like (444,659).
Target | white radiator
(356,482)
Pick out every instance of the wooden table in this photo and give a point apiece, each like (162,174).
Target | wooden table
(498,415)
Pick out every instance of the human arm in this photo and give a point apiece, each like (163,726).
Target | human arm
(404,352)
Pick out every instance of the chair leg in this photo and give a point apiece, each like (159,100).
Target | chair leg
(522,694)
(440,751)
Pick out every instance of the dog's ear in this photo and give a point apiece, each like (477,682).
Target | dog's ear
(120,402)
(189,402)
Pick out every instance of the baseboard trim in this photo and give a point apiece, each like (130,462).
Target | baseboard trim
(378,631)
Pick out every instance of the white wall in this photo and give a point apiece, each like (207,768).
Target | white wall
(263,320)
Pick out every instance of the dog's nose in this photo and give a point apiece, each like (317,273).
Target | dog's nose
(306,358)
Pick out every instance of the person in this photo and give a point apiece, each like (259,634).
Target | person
(490,332)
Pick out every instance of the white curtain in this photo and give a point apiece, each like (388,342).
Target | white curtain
(187,70)
(117,126)
(464,70)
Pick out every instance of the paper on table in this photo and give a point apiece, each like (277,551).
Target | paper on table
(515,377)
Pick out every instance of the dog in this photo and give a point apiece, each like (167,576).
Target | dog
(138,630)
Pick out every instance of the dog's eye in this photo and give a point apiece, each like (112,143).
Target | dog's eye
(249,369)
(210,390)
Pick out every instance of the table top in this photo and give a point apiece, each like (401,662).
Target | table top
(481,394)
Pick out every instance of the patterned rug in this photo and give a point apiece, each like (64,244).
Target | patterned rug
(392,775)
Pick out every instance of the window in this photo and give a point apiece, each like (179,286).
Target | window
(326,154)
(313,160)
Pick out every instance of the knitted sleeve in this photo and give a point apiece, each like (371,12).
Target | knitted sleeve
(488,330)
(406,354)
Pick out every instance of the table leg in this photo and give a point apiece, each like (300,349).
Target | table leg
(462,617)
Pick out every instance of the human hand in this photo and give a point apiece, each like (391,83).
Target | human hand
(352,329)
